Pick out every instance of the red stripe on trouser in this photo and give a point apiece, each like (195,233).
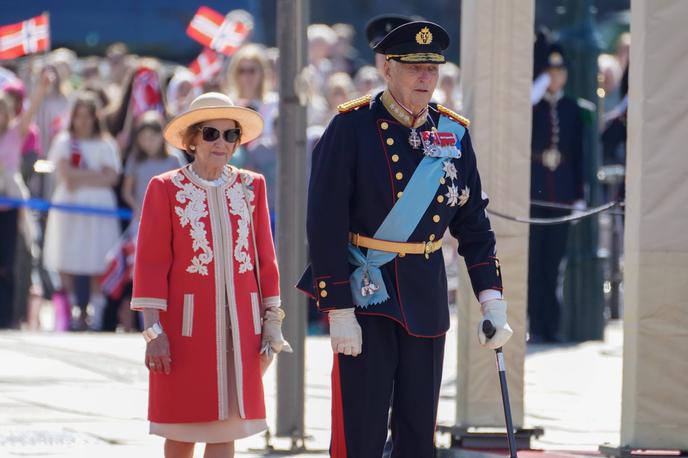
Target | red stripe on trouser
(338,443)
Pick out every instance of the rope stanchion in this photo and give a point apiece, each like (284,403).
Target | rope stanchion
(560,220)
(542,203)
(42,205)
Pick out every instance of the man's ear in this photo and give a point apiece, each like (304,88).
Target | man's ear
(387,70)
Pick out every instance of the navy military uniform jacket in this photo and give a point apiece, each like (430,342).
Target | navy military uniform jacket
(360,167)
(562,183)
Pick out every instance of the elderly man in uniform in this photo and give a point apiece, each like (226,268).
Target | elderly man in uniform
(390,175)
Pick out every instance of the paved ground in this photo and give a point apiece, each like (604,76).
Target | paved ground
(78,395)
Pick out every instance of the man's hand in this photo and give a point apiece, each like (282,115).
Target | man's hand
(345,332)
(495,311)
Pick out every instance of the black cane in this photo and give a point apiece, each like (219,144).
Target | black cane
(489,330)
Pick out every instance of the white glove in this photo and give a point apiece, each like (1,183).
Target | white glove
(272,340)
(345,332)
(495,311)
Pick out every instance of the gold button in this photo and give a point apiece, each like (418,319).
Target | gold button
(436,218)
(323,293)
(399,175)
(401,255)
(399,194)
(432,237)
(322,284)
(442,180)
(440,199)
(395,158)
(390,141)
(384,126)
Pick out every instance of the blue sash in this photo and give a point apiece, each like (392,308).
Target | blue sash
(367,285)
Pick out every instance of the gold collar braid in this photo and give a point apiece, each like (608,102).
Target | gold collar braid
(401,113)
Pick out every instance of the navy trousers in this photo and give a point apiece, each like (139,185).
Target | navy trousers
(547,248)
(394,370)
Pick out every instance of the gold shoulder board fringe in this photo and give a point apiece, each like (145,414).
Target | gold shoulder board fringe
(353,104)
(453,115)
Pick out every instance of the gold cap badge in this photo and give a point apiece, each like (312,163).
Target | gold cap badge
(424,37)
(556,59)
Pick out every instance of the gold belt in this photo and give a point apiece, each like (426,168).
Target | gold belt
(403,248)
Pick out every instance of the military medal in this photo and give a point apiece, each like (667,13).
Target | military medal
(414,139)
(367,287)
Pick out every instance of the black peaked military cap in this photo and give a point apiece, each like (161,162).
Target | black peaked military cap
(555,57)
(418,42)
(379,26)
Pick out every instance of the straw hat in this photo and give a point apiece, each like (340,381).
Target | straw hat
(209,106)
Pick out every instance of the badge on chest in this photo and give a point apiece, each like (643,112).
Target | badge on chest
(440,144)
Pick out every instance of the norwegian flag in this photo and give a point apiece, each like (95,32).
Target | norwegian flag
(120,266)
(145,92)
(205,66)
(224,34)
(26,37)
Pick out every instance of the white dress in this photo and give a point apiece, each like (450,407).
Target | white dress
(77,243)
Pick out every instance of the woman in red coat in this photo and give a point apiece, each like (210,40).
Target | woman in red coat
(206,279)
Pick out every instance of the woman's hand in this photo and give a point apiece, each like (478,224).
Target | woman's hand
(158,358)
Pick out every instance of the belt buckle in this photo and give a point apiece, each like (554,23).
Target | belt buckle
(428,249)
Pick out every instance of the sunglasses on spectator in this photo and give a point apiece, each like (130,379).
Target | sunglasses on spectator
(247,70)
(210,134)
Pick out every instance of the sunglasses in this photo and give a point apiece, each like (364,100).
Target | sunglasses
(247,70)
(210,134)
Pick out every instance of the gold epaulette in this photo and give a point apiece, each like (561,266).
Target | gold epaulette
(453,115)
(353,104)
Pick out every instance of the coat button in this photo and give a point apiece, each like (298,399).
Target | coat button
(432,237)
(442,180)
(322,284)
(399,194)
(395,158)
(390,141)
(323,293)
(436,218)
(384,126)
(440,199)
(399,176)
(401,255)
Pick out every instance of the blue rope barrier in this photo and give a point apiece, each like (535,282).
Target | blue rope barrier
(42,205)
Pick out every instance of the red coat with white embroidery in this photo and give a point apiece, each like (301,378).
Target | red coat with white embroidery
(195,262)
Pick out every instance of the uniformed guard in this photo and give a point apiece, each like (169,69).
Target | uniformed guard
(376,29)
(390,175)
(556,177)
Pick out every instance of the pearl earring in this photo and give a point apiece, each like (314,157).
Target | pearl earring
(192,147)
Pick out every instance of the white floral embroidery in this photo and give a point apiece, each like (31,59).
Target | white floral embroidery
(465,195)
(237,206)
(191,214)
(452,195)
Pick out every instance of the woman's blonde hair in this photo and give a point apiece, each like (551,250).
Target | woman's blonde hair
(256,53)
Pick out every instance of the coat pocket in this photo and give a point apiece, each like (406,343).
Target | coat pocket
(187,319)
(255,307)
